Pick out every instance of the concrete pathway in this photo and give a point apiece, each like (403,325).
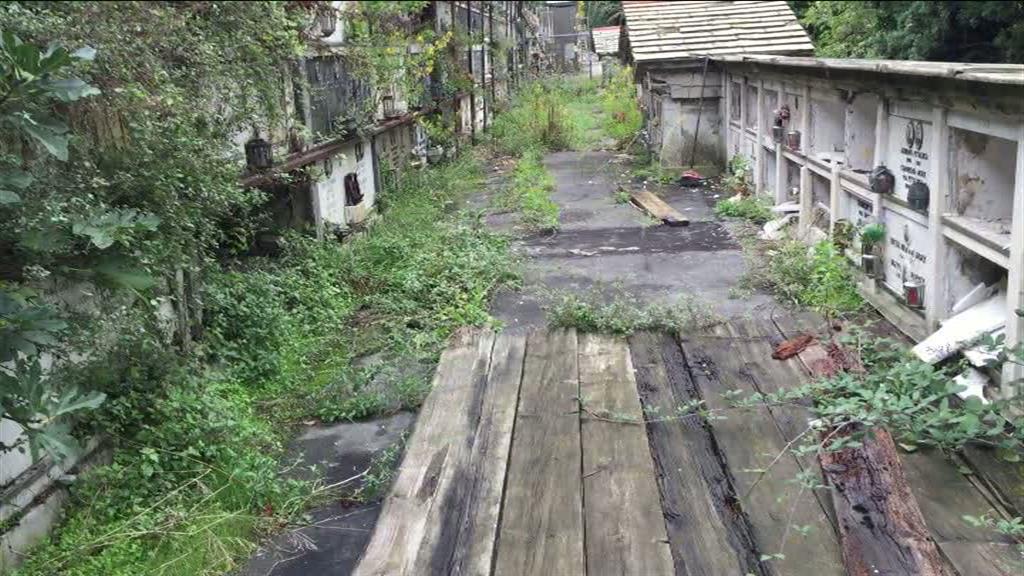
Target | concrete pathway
(605,244)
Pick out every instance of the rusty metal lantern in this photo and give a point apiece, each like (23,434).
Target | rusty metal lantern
(918,196)
(913,294)
(778,133)
(793,139)
(259,154)
(327,20)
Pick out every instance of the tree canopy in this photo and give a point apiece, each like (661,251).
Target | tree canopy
(988,31)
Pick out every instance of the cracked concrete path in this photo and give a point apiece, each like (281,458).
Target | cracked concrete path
(604,244)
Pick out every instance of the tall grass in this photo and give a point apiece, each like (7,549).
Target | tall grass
(622,116)
(539,118)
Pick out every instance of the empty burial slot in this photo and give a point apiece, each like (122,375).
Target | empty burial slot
(735,101)
(792,180)
(820,192)
(771,105)
(768,171)
(827,139)
(970,279)
(861,119)
(982,187)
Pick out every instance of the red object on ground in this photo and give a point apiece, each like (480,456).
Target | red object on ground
(792,347)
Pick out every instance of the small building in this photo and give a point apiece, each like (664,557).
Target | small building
(669,43)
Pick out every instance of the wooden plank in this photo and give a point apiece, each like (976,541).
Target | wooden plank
(465,526)
(435,456)
(542,518)
(945,496)
(883,529)
(657,208)
(751,440)
(1005,479)
(625,529)
(708,535)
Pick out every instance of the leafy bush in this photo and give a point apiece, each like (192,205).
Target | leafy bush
(818,278)
(749,208)
(538,119)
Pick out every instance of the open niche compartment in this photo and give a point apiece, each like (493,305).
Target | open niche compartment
(980,204)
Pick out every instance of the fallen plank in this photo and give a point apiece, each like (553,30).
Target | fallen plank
(436,459)
(944,495)
(467,522)
(625,530)
(751,440)
(883,530)
(658,209)
(707,532)
(1005,479)
(542,519)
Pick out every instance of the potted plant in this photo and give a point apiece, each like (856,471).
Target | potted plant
(871,237)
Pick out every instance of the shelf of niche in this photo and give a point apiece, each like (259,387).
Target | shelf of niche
(988,239)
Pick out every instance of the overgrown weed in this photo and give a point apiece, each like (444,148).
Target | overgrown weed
(817,277)
(752,208)
(612,310)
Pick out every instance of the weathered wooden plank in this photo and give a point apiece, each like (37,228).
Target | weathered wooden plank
(945,496)
(658,208)
(625,529)
(883,529)
(751,441)
(1004,479)
(709,535)
(542,518)
(462,530)
(435,457)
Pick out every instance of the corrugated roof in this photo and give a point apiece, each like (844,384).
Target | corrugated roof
(667,30)
(606,39)
(1012,74)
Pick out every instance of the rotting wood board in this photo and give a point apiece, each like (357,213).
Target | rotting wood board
(625,530)
(751,440)
(658,208)
(708,533)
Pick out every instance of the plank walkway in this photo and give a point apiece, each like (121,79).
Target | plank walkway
(557,453)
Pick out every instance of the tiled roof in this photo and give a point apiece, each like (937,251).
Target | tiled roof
(606,40)
(668,30)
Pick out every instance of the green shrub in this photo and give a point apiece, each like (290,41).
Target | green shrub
(539,118)
(818,277)
(749,208)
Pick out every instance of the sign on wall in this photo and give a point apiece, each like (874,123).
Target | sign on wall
(907,250)
(909,148)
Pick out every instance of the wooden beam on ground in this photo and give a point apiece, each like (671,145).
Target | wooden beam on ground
(882,528)
(657,208)
(433,472)
(751,440)
(707,533)
(625,529)
(542,520)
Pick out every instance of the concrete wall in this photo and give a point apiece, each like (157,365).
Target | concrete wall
(673,100)
(963,140)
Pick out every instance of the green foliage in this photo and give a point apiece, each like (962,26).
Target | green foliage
(739,175)
(750,208)
(818,278)
(872,235)
(989,31)
(529,192)
(382,471)
(622,116)
(538,119)
(617,312)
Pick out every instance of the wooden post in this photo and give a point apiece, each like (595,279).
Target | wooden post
(781,180)
(728,115)
(1012,373)
(938,182)
(835,192)
(805,120)
(759,147)
(881,149)
(806,202)
(743,114)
